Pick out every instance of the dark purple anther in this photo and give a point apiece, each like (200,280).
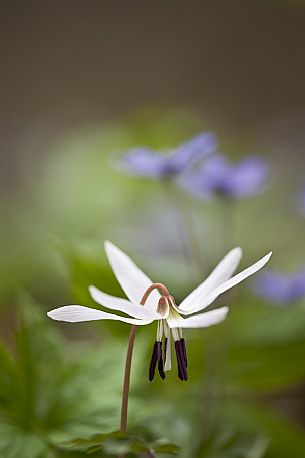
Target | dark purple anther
(182,371)
(153,362)
(156,358)
(184,350)
(160,361)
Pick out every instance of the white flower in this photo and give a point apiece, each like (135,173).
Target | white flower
(161,307)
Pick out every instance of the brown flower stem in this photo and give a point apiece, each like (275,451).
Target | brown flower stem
(125,396)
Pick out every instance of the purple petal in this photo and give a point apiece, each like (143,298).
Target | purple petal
(211,177)
(148,163)
(218,176)
(193,150)
(144,162)
(280,288)
(249,177)
(298,284)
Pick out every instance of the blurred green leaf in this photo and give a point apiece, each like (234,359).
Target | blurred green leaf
(265,346)
(116,443)
(162,446)
(285,437)
(52,391)
(227,443)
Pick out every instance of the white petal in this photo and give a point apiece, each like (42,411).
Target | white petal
(220,274)
(232,282)
(133,281)
(78,313)
(203,320)
(123,305)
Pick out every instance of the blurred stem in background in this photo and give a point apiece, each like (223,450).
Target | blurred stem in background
(186,231)
(225,220)
(216,353)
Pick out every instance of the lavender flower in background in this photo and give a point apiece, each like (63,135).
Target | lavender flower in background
(217,176)
(281,288)
(145,162)
(303,201)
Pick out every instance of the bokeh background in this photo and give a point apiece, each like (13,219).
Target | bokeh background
(80,83)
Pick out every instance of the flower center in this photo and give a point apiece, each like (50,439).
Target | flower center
(161,357)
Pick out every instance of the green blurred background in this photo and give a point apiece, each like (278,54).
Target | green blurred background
(80,83)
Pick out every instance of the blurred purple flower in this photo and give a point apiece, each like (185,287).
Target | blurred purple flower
(281,288)
(148,163)
(303,201)
(218,176)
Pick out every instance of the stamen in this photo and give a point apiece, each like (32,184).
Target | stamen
(159,331)
(176,334)
(153,362)
(156,358)
(182,370)
(180,374)
(160,361)
(183,346)
(180,333)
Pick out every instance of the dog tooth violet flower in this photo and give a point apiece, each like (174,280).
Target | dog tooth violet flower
(217,176)
(148,163)
(148,302)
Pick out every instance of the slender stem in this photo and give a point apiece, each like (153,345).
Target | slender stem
(188,238)
(179,221)
(194,245)
(226,223)
(125,396)
(218,347)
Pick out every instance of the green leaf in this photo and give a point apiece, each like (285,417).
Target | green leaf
(98,439)
(259,347)
(52,391)
(226,442)
(284,436)
(163,446)
(116,443)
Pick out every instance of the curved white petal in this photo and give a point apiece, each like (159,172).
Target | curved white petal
(203,320)
(220,274)
(123,305)
(133,281)
(205,301)
(78,313)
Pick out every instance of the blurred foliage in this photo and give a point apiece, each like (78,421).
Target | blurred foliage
(116,443)
(56,386)
(50,394)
